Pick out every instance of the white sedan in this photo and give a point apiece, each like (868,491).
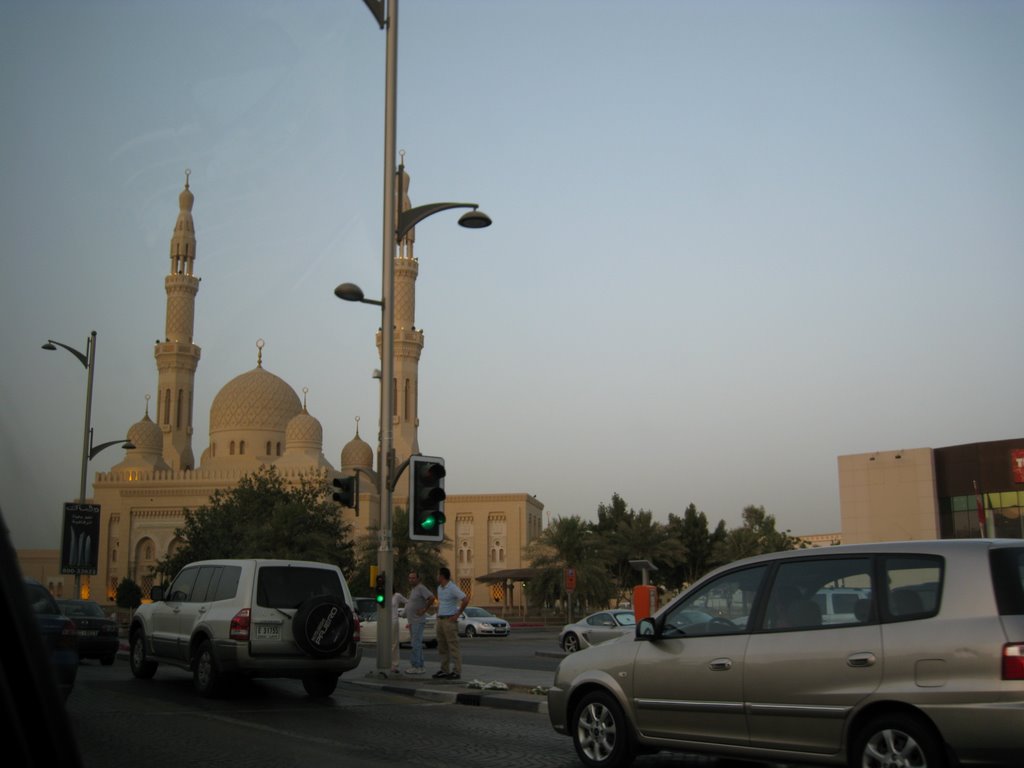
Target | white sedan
(366,607)
(480,621)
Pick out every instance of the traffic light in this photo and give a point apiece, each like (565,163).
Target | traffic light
(378,593)
(347,493)
(426,498)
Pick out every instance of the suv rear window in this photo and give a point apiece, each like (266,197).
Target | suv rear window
(290,587)
(1008,580)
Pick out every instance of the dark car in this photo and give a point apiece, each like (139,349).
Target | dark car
(59,634)
(97,633)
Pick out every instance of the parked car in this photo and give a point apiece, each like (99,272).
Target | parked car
(58,632)
(479,621)
(249,618)
(366,608)
(97,633)
(927,671)
(596,628)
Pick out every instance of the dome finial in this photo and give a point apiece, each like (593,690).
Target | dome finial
(188,172)
(357,426)
(147,406)
(260,343)
(305,391)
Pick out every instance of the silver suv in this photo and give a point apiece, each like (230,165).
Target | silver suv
(924,669)
(249,618)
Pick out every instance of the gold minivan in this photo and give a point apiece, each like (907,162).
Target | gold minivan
(923,668)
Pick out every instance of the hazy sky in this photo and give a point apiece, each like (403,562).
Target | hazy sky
(731,241)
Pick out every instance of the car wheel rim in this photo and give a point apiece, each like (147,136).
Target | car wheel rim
(596,732)
(203,668)
(892,748)
(137,657)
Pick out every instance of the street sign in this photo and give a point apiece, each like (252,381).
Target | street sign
(570,579)
(80,540)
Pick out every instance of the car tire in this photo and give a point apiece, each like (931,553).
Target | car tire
(323,626)
(571,643)
(898,736)
(320,686)
(470,632)
(142,667)
(108,660)
(600,732)
(206,676)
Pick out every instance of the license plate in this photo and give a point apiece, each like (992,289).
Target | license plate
(88,632)
(268,631)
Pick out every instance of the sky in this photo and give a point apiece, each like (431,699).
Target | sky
(732,241)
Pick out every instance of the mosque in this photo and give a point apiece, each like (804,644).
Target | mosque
(257,419)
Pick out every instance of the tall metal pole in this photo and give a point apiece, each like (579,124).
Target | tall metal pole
(90,353)
(385,556)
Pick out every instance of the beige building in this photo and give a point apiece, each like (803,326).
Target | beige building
(961,491)
(258,419)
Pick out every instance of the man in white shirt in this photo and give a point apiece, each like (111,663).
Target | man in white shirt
(420,599)
(451,602)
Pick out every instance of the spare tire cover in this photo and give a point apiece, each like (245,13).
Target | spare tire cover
(322,626)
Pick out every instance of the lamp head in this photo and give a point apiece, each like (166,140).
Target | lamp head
(349,292)
(49,345)
(474,219)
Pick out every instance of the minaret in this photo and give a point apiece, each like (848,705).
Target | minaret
(408,339)
(176,356)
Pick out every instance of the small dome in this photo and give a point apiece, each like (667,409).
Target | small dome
(304,431)
(357,453)
(254,400)
(146,436)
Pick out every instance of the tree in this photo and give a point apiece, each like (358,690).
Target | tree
(697,542)
(263,516)
(630,535)
(758,535)
(423,557)
(569,542)
(129,594)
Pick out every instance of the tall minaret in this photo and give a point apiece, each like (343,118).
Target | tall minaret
(408,339)
(176,356)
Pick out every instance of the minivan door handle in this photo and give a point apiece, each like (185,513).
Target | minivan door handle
(866,659)
(720,665)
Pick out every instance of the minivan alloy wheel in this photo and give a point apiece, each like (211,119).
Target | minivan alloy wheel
(898,741)
(600,732)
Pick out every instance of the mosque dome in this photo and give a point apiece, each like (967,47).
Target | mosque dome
(146,436)
(257,400)
(304,431)
(357,453)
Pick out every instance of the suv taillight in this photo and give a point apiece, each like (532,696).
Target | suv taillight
(1013,661)
(240,626)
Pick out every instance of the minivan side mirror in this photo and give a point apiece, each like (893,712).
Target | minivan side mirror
(645,629)
(156,594)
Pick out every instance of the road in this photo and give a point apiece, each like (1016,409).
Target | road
(120,722)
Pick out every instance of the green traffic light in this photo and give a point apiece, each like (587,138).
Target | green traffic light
(380,599)
(429,523)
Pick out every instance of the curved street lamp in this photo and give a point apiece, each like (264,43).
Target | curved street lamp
(396,224)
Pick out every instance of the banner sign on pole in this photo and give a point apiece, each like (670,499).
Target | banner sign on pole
(80,541)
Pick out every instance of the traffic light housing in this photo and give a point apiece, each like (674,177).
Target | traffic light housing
(347,491)
(378,590)
(426,498)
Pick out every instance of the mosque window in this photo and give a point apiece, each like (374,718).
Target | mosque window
(231,448)
(268,447)
(241,448)
(177,416)
(278,449)
(167,407)
(406,397)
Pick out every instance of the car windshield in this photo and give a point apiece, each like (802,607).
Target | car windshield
(83,609)
(477,613)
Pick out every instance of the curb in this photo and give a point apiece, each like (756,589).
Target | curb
(494,699)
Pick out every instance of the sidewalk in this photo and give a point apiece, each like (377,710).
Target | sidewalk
(524,690)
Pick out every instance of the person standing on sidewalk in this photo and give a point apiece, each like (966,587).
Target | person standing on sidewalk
(420,599)
(451,602)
